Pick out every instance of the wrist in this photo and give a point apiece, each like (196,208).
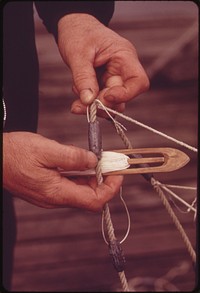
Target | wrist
(77,20)
(70,25)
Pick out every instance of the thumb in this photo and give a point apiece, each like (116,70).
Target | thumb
(69,157)
(85,80)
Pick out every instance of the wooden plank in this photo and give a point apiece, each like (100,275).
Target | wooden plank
(82,276)
(46,227)
(84,246)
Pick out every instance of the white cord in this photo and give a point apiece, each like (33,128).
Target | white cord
(149,128)
(4,112)
(128,220)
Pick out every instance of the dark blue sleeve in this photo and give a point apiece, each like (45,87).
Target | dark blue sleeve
(51,11)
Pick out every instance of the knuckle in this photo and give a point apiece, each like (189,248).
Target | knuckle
(82,77)
(145,83)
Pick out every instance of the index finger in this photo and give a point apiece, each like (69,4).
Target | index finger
(134,77)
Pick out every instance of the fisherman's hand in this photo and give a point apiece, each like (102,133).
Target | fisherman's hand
(30,164)
(102,62)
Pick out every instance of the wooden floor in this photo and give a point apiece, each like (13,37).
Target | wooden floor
(63,249)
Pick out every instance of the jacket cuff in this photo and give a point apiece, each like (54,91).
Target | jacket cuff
(51,11)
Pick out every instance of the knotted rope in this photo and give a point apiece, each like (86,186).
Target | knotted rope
(178,225)
(115,249)
(114,246)
(155,184)
(101,106)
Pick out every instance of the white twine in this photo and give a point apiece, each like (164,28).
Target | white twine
(128,221)
(147,127)
(110,161)
(107,111)
(4,112)
(164,186)
(181,187)
(190,207)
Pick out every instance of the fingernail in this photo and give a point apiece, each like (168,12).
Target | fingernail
(87,96)
(92,160)
(110,98)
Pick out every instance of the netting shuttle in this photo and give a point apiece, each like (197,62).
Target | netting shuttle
(136,161)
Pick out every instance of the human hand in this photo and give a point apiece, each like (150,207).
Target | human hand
(30,164)
(90,48)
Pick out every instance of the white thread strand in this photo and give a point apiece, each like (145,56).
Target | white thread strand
(149,128)
(128,217)
(5,112)
(128,220)
(157,185)
(88,115)
(181,187)
(176,196)
(111,117)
